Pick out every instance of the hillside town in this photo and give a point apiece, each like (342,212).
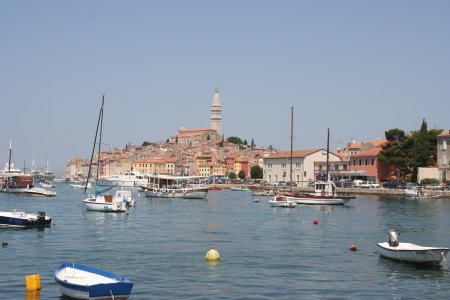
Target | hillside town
(205,152)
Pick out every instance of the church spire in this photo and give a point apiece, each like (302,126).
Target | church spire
(216,114)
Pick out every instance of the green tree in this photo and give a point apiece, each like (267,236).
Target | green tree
(241,174)
(252,144)
(397,152)
(232,175)
(256,172)
(234,140)
(420,152)
(245,142)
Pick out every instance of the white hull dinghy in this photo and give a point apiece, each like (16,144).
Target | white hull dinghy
(82,282)
(410,253)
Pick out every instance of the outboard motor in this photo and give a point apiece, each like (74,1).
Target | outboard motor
(41,217)
(393,237)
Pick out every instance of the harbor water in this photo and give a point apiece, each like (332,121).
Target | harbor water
(265,252)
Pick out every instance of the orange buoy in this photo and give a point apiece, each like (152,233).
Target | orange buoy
(353,248)
(315,220)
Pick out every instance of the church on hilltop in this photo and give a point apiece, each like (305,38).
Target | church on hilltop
(192,136)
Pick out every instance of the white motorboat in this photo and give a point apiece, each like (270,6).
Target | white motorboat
(129,179)
(415,193)
(410,253)
(263,193)
(282,201)
(169,186)
(46,184)
(239,188)
(16,218)
(324,194)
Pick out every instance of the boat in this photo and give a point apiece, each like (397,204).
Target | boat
(282,201)
(16,218)
(239,188)
(410,253)
(174,186)
(13,180)
(46,184)
(80,185)
(324,194)
(263,193)
(416,193)
(83,282)
(129,179)
(99,201)
(37,191)
(214,188)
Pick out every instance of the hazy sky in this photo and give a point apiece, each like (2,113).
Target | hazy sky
(356,67)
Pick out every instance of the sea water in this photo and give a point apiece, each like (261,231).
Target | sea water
(265,252)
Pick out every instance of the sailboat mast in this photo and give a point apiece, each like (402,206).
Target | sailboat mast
(10,154)
(292,138)
(328,155)
(100,138)
(95,142)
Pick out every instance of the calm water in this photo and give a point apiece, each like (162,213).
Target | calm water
(266,253)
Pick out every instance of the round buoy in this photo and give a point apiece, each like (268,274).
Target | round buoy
(315,220)
(5,243)
(353,248)
(212,255)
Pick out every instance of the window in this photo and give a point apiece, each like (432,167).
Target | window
(336,167)
(344,167)
(372,161)
(297,166)
(283,166)
(365,162)
(360,162)
(354,162)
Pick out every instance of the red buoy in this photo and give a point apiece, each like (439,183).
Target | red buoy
(353,248)
(315,221)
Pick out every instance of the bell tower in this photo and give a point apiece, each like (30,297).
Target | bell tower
(216,114)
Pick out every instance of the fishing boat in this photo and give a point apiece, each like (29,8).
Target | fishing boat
(99,201)
(16,218)
(282,201)
(83,282)
(410,253)
(171,186)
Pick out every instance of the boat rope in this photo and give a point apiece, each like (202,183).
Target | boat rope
(444,260)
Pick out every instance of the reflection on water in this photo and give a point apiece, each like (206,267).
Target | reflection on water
(266,252)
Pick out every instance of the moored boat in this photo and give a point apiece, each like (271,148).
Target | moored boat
(16,218)
(410,253)
(83,282)
(324,194)
(282,201)
(129,179)
(170,186)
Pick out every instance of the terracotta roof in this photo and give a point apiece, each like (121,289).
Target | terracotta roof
(445,133)
(371,152)
(295,153)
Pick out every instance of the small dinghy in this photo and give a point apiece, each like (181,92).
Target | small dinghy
(410,253)
(82,282)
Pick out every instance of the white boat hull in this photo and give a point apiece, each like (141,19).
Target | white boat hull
(319,201)
(187,193)
(411,253)
(282,201)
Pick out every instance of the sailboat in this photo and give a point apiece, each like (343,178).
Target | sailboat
(283,200)
(99,201)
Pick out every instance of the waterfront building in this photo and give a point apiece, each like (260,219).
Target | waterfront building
(365,165)
(443,157)
(155,166)
(277,166)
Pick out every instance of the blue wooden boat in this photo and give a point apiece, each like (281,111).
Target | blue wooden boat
(82,282)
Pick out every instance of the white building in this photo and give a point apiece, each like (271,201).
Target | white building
(277,166)
(443,156)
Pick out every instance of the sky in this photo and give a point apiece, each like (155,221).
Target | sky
(359,68)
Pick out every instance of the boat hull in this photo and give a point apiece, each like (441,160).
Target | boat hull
(82,282)
(319,201)
(22,219)
(282,201)
(99,204)
(411,253)
(187,193)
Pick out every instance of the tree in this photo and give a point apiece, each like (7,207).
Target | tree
(420,152)
(245,142)
(232,175)
(256,172)
(396,152)
(241,174)
(234,140)
(252,144)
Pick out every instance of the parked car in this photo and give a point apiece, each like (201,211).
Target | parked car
(394,185)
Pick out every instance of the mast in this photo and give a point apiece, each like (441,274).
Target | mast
(10,154)
(292,138)
(328,155)
(100,118)
(100,137)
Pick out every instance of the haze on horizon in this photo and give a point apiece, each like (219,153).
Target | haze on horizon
(357,67)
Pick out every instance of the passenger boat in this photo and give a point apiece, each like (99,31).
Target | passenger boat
(16,218)
(83,282)
(171,186)
(99,201)
(410,253)
(324,194)
(282,201)
(129,179)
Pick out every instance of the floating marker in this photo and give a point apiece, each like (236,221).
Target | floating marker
(353,248)
(33,282)
(315,220)
(5,243)
(212,255)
